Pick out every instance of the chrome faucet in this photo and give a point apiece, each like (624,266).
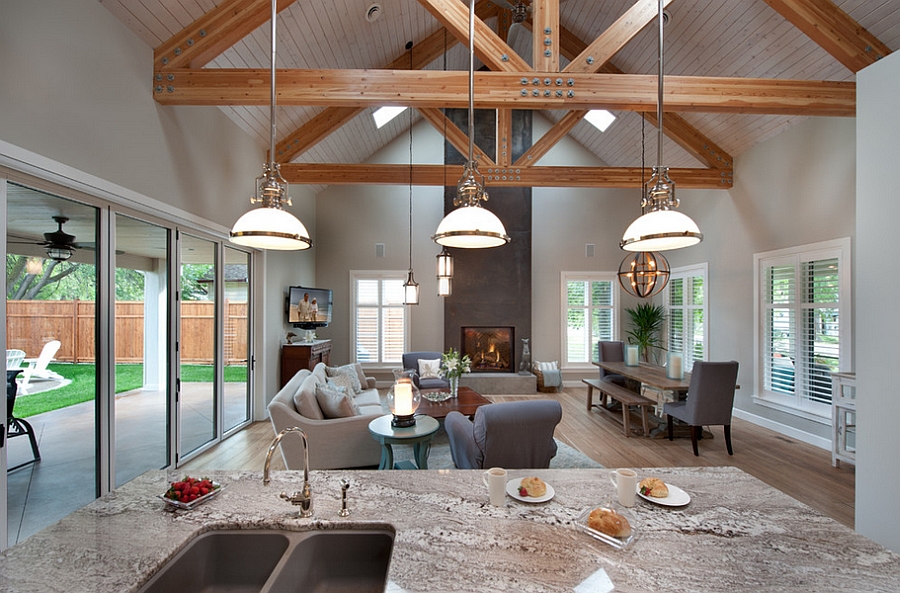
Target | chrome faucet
(303,498)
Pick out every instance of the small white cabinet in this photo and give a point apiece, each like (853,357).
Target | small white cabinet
(843,410)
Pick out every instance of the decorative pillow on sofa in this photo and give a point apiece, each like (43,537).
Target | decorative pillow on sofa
(305,399)
(351,371)
(336,402)
(342,380)
(430,369)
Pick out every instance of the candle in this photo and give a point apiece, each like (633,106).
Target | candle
(674,366)
(403,399)
(631,356)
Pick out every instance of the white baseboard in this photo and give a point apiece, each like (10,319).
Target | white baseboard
(788,431)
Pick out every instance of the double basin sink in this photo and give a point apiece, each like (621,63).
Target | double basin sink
(278,561)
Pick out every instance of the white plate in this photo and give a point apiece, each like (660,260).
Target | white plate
(676,498)
(196,502)
(512,488)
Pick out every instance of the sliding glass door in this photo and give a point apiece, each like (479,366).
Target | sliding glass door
(236,395)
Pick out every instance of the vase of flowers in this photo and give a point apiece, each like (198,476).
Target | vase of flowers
(454,366)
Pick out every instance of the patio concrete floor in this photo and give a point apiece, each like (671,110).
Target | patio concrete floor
(64,480)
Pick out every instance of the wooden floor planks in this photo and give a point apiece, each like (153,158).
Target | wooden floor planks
(796,468)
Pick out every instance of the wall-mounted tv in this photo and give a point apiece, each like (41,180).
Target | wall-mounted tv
(309,308)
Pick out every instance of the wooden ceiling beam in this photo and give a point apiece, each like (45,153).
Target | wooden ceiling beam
(489,47)
(545,42)
(437,175)
(549,140)
(501,90)
(602,49)
(834,30)
(200,42)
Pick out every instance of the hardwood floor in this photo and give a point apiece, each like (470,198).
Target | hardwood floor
(800,470)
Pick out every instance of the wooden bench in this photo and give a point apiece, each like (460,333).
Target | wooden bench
(624,396)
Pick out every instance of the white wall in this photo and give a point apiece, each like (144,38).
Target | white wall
(77,88)
(877,211)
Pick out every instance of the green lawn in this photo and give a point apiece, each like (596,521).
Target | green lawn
(128,377)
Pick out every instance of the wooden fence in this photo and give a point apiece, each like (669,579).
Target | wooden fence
(31,324)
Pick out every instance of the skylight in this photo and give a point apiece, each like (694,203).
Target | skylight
(600,118)
(385,114)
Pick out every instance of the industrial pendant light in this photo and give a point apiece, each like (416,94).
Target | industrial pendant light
(660,227)
(471,226)
(410,287)
(444,273)
(271,226)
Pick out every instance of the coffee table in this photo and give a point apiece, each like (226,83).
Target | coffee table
(467,400)
(419,435)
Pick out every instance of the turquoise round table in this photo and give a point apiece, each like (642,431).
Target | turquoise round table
(419,436)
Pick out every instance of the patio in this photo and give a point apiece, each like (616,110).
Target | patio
(64,479)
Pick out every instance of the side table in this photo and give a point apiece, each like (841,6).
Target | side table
(419,436)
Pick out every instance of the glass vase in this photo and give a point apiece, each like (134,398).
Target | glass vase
(454,386)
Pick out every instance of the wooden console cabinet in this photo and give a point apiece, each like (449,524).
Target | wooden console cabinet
(303,355)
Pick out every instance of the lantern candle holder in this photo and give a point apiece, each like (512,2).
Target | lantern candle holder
(403,399)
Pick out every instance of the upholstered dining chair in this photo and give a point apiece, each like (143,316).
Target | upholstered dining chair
(710,399)
(512,435)
(611,352)
(411,363)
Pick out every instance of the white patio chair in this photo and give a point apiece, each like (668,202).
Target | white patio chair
(37,368)
(14,359)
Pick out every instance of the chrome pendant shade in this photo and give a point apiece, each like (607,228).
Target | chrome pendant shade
(660,227)
(471,226)
(271,226)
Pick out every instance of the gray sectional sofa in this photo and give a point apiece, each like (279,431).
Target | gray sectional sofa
(334,443)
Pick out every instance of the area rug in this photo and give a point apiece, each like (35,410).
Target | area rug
(440,458)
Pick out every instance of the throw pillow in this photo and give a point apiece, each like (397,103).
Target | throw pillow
(335,401)
(547,366)
(305,399)
(430,369)
(342,380)
(350,371)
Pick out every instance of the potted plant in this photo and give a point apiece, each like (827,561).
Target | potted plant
(647,322)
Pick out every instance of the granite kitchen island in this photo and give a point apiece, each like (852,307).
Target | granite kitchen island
(736,534)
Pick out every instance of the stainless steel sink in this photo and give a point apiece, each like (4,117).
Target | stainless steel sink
(275,561)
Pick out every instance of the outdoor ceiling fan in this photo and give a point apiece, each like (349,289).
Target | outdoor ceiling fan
(58,245)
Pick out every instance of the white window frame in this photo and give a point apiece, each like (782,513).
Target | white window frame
(797,404)
(379,275)
(684,273)
(565,278)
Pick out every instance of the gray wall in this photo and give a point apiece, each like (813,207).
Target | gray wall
(877,207)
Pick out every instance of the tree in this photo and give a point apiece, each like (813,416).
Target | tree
(24,286)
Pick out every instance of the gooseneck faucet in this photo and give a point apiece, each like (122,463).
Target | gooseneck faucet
(303,499)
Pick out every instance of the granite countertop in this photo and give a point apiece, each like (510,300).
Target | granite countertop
(736,533)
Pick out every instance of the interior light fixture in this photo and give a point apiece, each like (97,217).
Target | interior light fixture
(58,253)
(383,115)
(271,226)
(410,287)
(444,272)
(644,274)
(660,227)
(600,118)
(471,226)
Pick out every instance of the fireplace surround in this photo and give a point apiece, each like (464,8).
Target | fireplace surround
(491,349)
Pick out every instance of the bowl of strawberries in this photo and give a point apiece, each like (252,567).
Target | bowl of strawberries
(190,492)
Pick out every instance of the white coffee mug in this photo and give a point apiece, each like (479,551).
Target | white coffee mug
(625,481)
(495,480)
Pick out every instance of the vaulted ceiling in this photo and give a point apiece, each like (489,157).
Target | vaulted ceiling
(737,73)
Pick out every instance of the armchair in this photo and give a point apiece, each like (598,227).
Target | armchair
(411,363)
(512,435)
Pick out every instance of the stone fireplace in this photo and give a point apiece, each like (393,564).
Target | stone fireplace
(492,349)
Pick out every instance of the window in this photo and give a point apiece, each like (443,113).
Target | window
(803,322)
(686,313)
(380,322)
(590,314)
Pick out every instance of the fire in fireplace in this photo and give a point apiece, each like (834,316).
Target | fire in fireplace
(490,348)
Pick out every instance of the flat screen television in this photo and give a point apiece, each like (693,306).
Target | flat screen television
(309,308)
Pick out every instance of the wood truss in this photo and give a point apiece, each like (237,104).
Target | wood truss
(589,81)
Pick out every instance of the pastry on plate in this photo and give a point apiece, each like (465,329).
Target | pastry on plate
(653,487)
(609,522)
(532,486)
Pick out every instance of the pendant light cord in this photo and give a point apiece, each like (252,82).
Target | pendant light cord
(272,93)
(409,46)
(472,80)
(659,98)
